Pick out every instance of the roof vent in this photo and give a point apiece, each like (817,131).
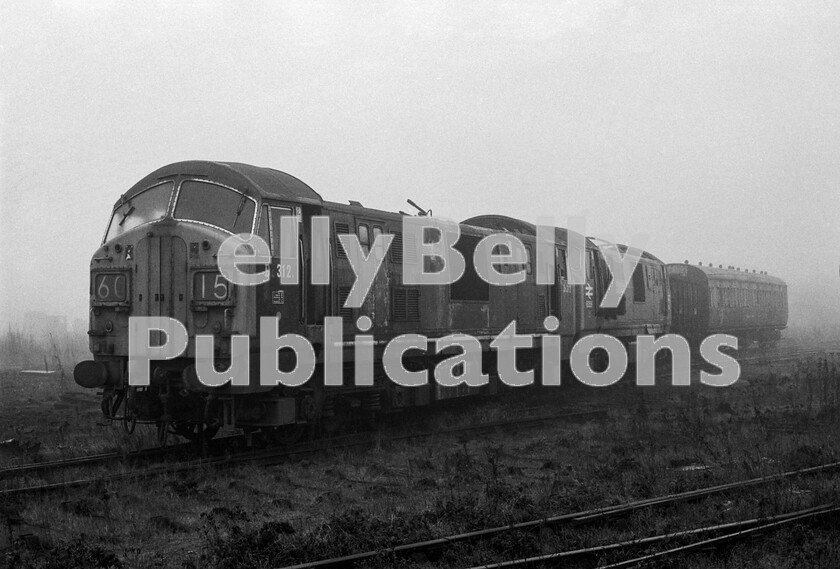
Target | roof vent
(720,266)
(700,264)
(686,261)
(354,202)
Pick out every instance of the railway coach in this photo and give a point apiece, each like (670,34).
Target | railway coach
(715,300)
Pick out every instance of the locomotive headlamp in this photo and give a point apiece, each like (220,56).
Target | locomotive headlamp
(117,248)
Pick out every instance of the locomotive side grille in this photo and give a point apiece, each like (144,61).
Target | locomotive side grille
(396,248)
(541,306)
(340,229)
(343,293)
(410,245)
(405,304)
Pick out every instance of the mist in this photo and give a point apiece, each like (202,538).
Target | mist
(713,129)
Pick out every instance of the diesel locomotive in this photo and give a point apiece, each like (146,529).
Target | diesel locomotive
(160,258)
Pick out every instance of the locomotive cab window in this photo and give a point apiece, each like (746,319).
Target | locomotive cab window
(264,230)
(470,286)
(148,205)
(377,231)
(639,283)
(503,268)
(561,262)
(590,265)
(215,205)
(276,214)
(529,267)
(364,238)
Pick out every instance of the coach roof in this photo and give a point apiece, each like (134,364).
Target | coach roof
(251,180)
(721,274)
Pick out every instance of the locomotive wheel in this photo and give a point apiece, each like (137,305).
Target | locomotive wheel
(111,404)
(105,406)
(129,420)
(162,432)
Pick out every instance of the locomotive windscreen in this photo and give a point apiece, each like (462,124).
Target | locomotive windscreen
(148,205)
(215,205)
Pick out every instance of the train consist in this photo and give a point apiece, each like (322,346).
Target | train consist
(160,258)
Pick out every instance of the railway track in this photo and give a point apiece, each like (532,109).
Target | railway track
(791,354)
(709,536)
(268,457)
(220,444)
(729,533)
(94,459)
(435,547)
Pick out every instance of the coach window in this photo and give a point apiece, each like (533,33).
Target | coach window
(364,238)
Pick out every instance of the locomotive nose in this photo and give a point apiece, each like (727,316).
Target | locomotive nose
(161,276)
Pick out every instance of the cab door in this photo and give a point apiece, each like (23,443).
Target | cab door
(590,291)
(287,301)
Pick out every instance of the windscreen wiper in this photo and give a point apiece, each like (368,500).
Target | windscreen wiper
(239,211)
(128,212)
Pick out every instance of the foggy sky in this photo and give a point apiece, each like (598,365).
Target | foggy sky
(711,127)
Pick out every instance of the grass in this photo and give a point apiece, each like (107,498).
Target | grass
(654,441)
(59,350)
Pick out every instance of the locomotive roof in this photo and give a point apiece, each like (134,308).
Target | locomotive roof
(252,180)
(513,225)
(505,223)
(623,249)
(721,274)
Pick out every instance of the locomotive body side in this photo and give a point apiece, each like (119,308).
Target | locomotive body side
(645,308)
(645,305)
